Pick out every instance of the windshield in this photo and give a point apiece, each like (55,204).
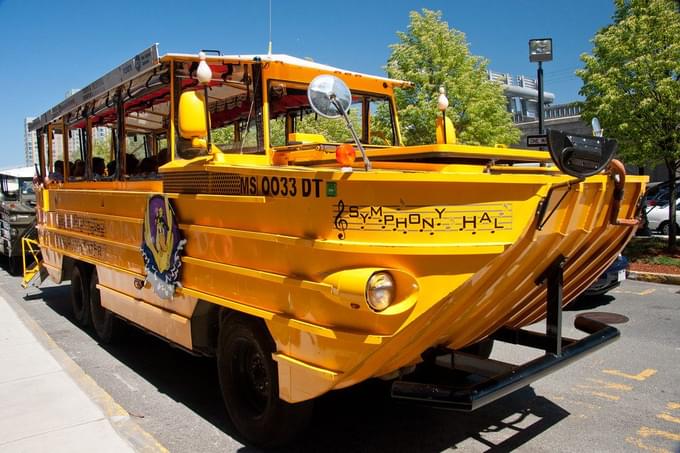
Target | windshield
(27,187)
(292,120)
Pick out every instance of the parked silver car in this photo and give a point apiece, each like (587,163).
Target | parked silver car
(657,217)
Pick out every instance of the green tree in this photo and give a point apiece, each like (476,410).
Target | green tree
(631,82)
(335,130)
(430,54)
(223,135)
(102,148)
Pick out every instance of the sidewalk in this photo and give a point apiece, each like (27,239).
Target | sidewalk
(47,403)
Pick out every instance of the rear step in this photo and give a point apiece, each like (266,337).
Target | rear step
(499,378)
(36,274)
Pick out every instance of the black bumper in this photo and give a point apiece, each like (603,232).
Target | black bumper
(499,378)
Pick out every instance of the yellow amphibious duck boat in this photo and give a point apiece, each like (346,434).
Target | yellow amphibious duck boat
(289,232)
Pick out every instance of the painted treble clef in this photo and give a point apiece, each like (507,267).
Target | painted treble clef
(340,223)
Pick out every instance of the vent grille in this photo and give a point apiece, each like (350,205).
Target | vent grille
(202,182)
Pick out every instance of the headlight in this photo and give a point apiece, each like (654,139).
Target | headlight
(380,291)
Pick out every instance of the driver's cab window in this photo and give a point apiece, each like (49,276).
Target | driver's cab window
(292,120)
(27,188)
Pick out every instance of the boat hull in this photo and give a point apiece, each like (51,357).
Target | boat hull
(295,246)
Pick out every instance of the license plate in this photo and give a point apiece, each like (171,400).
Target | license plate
(622,275)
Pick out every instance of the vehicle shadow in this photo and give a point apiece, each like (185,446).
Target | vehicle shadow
(361,418)
(589,302)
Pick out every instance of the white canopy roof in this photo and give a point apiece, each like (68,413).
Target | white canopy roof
(291,60)
(19,172)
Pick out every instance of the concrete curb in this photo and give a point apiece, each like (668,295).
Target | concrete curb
(119,418)
(669,279)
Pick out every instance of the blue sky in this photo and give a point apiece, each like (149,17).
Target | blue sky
(49,47)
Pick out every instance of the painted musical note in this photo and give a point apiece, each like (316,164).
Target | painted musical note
(340,223)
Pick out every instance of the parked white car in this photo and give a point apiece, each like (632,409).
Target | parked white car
(658,218)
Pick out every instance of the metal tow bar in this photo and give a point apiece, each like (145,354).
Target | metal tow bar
(500,378)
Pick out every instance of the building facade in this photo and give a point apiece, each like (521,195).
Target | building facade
(522,95)
(30,143)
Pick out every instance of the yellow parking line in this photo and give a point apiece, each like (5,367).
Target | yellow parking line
(642,446)
(641,376)
(668,417)
(673,406)
(606,396)
(649,432)
(612,385)
(646,292)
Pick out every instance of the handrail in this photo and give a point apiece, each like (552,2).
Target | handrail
(27,245)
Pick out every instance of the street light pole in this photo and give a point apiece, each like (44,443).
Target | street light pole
(540,97)
(540,50)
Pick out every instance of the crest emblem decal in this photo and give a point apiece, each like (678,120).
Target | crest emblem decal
(162,247)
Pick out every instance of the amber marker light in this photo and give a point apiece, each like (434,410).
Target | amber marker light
(380,291)
(345,154)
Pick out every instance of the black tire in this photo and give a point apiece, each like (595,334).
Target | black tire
(665,228)
(249,382)
(16,265)
(104,322)
(80,295)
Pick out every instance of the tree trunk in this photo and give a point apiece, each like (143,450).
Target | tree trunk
(672,167)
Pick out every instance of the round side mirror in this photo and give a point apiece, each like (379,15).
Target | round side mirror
(326,93)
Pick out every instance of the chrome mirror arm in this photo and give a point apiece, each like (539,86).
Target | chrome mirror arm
(336,104)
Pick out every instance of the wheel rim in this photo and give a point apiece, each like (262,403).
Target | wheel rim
(251,377)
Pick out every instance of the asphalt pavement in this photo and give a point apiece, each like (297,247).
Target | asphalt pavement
(624,397)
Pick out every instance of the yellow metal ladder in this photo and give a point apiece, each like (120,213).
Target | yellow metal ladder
(36,274)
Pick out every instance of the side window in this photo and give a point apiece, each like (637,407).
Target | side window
(380,128)
(224,137)
(236,137)
(76,153)
(140,161)
(277,131)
